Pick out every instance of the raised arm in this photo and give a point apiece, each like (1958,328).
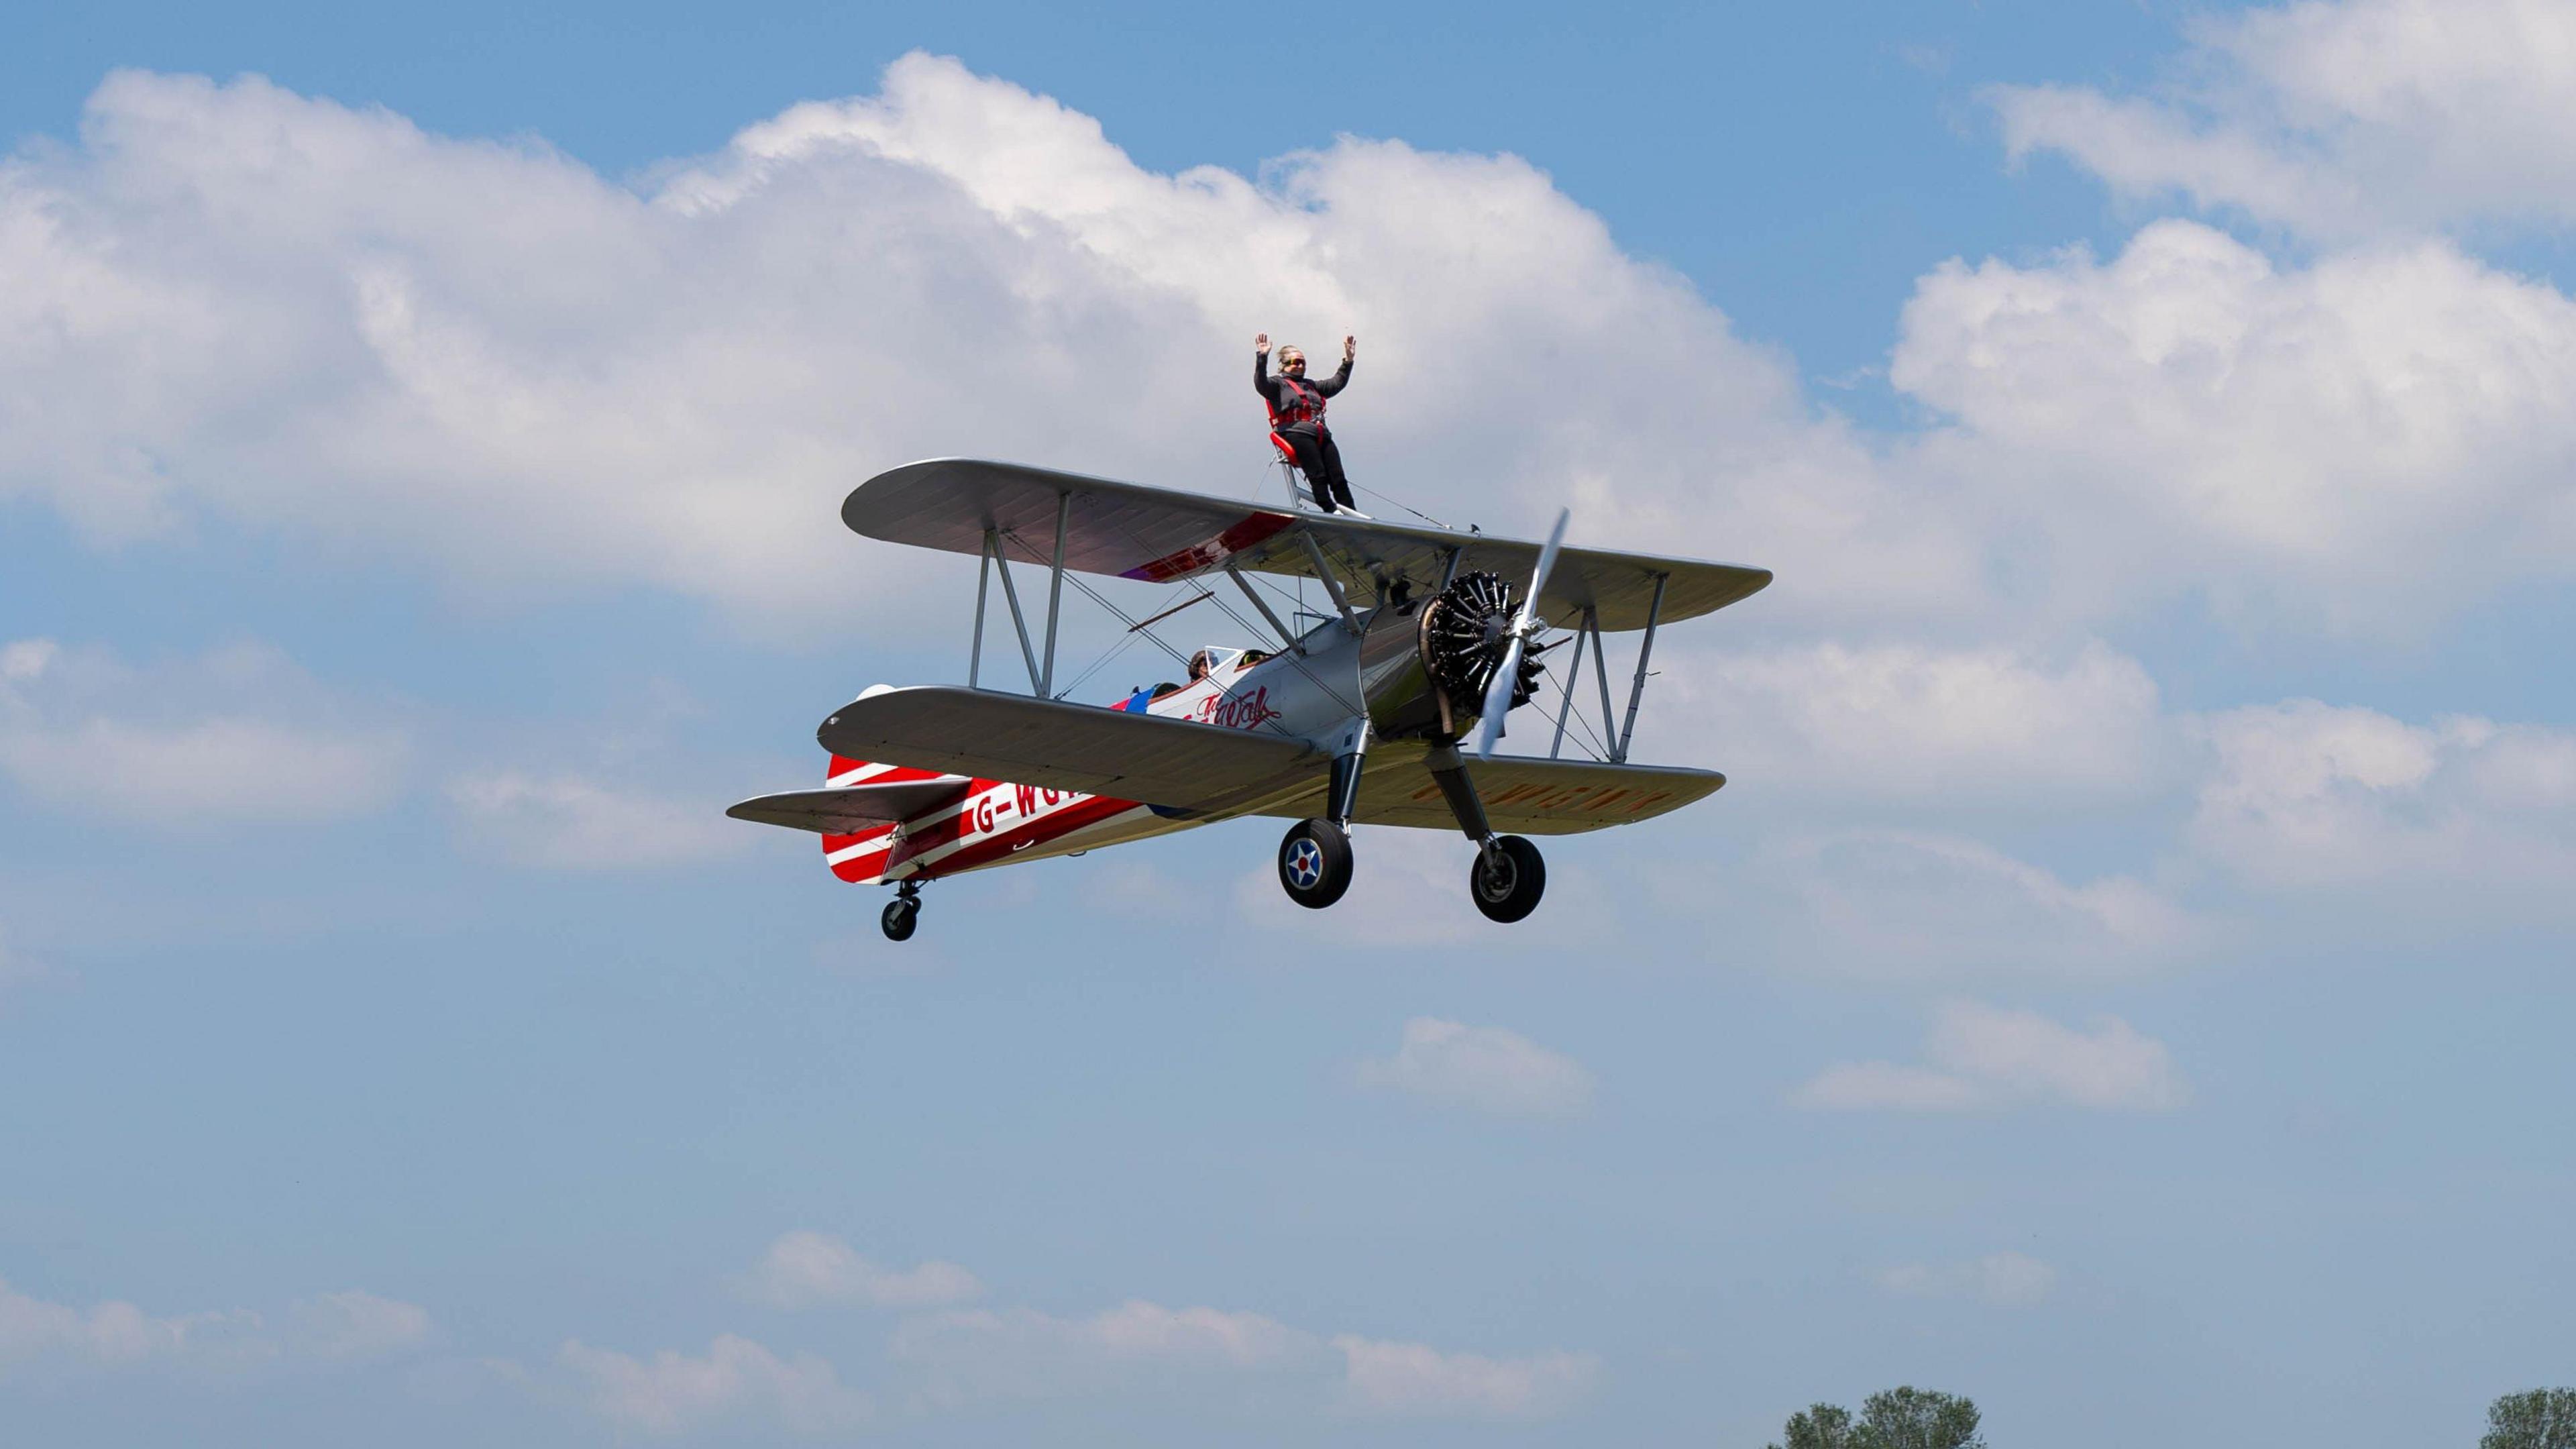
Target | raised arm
(1342,375)
(1261,379)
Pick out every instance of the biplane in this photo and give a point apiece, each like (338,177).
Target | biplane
(1385,710)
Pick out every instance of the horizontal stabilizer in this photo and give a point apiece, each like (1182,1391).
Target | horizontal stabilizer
(852,809)
(1521,796)
(1178,764)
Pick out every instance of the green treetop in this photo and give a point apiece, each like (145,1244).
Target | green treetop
(1904,1418)
(2540,1419)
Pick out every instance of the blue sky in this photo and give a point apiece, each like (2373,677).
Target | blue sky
(2124,980)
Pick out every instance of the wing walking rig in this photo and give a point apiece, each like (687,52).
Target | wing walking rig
(1385,713)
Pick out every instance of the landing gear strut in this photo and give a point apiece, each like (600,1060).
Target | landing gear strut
(1508,876)
(903,912)
(1315,855)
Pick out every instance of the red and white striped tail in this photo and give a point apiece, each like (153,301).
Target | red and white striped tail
(860,859)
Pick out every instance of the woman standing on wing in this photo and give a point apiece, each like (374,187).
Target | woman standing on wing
(1297,418)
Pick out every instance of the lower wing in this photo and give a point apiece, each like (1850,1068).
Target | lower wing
(1522,796)
(1177,764)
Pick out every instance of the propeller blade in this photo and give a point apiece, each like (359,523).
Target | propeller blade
(1498,699)
(1546,562)
(1498,694)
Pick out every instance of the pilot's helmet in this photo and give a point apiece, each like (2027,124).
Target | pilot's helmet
(1201,663)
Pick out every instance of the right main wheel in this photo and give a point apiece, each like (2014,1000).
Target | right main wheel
(1315,863)
(1508,879)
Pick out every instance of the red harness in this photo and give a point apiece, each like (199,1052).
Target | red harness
(1299,403)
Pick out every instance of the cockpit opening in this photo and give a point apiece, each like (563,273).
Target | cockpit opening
(1214,659)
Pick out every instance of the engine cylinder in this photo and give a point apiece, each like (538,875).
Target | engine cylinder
(1464,631)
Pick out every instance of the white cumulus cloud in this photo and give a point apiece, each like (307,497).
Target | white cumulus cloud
(355,1325)
(2340,119)
(1895,722)
(963,1356)
(2362,444)
(735,1380)
(2303,796)
(1484,1067)
(969,1354)
(2010,1280)
(1985,1058)
(488,361)
(332,1328)
(574,822)
(1921,904)
(1407,1380)
(237,734)
(807,1269)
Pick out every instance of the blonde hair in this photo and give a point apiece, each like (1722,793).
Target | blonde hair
(1287,351)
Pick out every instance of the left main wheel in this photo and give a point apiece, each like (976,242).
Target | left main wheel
(1315,863)
(901,915)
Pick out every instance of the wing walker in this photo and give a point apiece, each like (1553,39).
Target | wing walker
(1386,712)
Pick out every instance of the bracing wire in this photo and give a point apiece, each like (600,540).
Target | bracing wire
(1134,629)
(1295,661)
(1123,617)
(1577,727)
(1296,501)
(1097,665)
(1400,503)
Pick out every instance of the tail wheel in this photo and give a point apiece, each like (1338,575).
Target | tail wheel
(901,915)
(1507,879)
(1315,863)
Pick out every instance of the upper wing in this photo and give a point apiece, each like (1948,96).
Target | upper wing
(852,809)
(1525,796)
(1131,531)
(1174,763)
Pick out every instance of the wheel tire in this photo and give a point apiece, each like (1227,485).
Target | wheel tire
(1315,863)
(901,915)
(1507,881)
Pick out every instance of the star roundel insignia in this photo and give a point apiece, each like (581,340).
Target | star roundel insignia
(1305,863)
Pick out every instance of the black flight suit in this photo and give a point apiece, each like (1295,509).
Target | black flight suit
(1297,416)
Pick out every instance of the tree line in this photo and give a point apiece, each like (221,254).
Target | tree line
(1912,1418)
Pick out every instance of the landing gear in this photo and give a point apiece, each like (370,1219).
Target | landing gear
(1315,863)
(1507,878)
(902,913)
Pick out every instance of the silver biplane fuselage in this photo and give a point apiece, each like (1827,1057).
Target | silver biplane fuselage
(1357,720)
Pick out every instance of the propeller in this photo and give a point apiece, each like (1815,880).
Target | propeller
(1498,694)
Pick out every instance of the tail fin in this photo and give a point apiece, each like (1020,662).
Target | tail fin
(861,858)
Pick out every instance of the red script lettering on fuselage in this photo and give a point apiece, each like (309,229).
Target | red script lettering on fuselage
(1235,711)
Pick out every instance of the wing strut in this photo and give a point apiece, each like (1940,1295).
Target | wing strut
(1600,672)
(1245,584)
(1011,596)
(1332,581)
(1565,701)
(1055,592)
(983,588)
(1637,691)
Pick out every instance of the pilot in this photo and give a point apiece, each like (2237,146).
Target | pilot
(1297,418)
(1208,661)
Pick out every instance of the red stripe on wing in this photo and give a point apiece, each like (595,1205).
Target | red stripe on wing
(1215,551)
